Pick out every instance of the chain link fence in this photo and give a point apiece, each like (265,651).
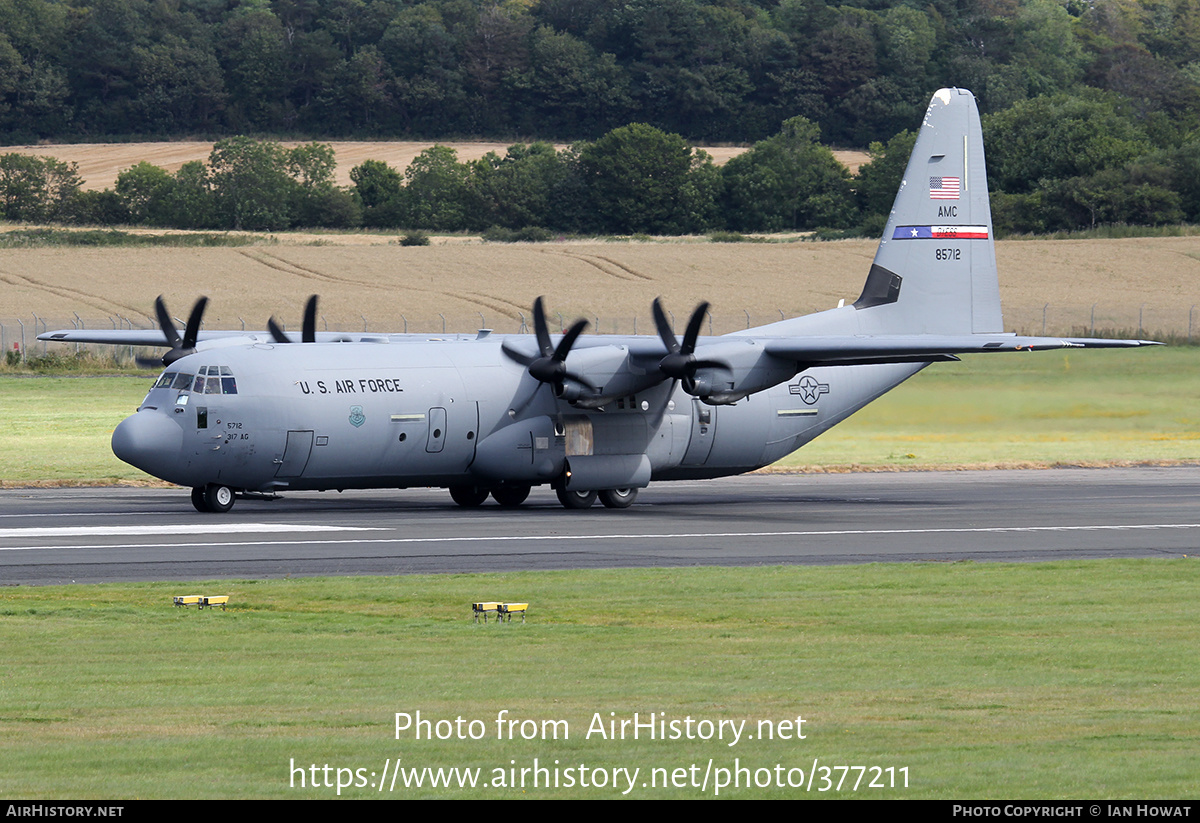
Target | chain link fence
(1176,324)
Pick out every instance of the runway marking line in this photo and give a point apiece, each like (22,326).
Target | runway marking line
(182,528)
(580,537)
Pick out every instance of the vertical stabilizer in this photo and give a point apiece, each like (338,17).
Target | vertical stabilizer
(935,270)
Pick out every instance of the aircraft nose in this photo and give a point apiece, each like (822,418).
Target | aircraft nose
(149,441)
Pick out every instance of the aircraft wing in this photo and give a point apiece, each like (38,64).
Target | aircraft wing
(841,350)
(856,350)
(155,337)
(136,337)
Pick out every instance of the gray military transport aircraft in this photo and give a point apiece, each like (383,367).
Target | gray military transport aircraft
(240,414)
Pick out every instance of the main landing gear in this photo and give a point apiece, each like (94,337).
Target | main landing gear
(511,496)
(213,498)
(508,496)
(611,498)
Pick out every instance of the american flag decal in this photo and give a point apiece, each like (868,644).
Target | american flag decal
(944,188)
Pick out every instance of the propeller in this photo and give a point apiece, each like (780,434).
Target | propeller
(179,346)
(680,361)
(308,333)
(550,366)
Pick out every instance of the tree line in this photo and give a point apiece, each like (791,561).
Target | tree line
(634,179)
(1055,162)
(730,70)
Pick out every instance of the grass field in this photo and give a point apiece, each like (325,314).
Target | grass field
(1076,408)
(1073,408)
(1070,679)
(980,680)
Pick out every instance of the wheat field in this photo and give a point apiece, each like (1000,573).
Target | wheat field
(369,280)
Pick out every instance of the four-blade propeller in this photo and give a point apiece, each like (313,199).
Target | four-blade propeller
(550,366)
(308,333)
(681,362)
(179,346)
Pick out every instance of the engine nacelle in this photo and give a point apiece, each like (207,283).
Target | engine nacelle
(748,369)
(527,450)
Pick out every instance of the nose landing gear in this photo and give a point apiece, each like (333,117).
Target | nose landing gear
(213,498)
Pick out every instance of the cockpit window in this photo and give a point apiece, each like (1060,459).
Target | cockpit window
(210,380)
(173,380)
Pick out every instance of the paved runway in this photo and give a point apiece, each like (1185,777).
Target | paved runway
(94,535)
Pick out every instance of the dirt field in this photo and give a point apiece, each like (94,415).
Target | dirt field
(99,164)
(384,286)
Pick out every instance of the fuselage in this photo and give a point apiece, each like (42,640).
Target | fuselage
(268,417)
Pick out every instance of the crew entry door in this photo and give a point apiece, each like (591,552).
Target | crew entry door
(295,454)
(704,420)
(437,431)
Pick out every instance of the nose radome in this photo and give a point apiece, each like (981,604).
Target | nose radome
(151,442)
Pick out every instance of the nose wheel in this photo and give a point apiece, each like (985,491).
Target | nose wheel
(212,498)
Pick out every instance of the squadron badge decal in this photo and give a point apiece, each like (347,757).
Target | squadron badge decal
(357,418)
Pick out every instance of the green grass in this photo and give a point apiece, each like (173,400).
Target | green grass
(1110,231)
(985,681)
(50,238)
(1078,407)
(1071,679)
(57,429)
(1081,407)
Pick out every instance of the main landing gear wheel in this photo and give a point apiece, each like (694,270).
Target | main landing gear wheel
(510,496)
(618,498)
(212,498)
(468,496)
(576,500)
